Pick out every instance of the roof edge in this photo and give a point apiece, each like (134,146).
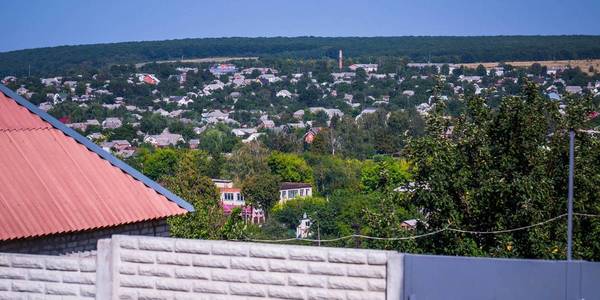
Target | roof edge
(96,149)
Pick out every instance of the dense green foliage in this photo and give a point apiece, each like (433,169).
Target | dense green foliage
(59,60)
(500,168)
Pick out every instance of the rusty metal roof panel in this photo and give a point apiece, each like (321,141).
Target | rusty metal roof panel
(50,183)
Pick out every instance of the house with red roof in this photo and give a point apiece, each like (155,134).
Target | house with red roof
(148,79)
(60,193)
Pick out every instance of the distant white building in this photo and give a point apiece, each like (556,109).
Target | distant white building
(365,112)
(241,132)
(164,139)
(270,78)
(303,229)
(408,93)
(573,89)
(253,137)
(112,123)
(216,85)
(284,94)
(291,190)
(51,81)
(369,68)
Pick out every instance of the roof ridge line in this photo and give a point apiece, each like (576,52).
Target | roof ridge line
(96,149)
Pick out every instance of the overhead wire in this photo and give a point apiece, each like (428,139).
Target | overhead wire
(412,237)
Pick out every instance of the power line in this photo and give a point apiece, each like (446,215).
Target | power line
(413,237)
(508,230)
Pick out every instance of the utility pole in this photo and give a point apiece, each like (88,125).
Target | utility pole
(570,196)
(318,234)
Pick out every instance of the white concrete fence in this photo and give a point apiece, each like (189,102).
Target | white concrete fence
(46,277)
(136,267)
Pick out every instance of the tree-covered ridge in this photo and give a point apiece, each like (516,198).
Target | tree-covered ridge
(60,60)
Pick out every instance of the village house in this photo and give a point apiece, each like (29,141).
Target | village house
(310,135)
(268,78)
(369,68)
(222,69)
(164,139)
(79,126)
(242,132)
(115,145)
(194,143)
(216,85)
(365,112)
(572,89)
(408,93)
(231,197)
(249,71)
(266,124)
(253,137)
(9,79)
(95,136)
(291,190)
(51,81)
(148,79)
(303,229)
(112,123)
(62,175)
(284,94)
(217,114)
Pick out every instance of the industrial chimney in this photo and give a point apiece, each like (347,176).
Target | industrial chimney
(341,61)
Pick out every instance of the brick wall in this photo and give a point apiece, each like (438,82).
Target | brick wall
(46,277)
(164,268)
(81,243)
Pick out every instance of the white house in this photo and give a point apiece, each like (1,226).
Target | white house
(303,229)
(112,123)
(291,190)
(367,67)
(284,94)
(164,139)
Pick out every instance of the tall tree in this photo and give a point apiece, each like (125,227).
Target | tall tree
(261,191)
(501,169)
(207,219)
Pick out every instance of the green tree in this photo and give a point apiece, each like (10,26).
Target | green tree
(162,162)
(153,124)
(321,214)
(290,167)
(247,160)
(207,220)
(261,191)
(361,75)
(383,173)
(480,70)
(503,169)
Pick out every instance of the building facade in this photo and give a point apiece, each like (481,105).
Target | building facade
(291,190)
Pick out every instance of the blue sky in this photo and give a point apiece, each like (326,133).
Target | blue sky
(40,23)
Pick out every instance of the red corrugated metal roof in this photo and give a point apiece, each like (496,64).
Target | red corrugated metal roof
(51,184)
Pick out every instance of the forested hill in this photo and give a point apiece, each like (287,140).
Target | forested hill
(57,60)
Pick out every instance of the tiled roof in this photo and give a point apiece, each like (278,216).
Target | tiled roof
(53,180)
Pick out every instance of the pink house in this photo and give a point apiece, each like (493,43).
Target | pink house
(231,197)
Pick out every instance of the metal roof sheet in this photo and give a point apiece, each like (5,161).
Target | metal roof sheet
(52,182)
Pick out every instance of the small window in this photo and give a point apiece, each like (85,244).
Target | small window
(301,192)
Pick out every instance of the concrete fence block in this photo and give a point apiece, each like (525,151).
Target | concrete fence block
(395,276)
(133,267)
